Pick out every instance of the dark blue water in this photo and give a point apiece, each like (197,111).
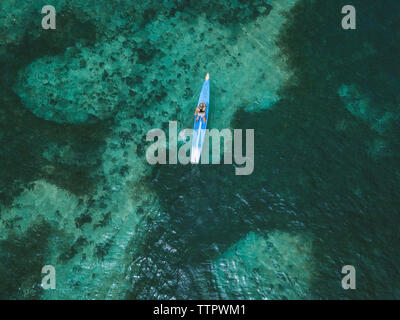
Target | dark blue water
(76,192)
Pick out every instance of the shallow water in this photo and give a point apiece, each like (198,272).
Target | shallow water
(76,191)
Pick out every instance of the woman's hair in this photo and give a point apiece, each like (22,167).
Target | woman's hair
(202,106)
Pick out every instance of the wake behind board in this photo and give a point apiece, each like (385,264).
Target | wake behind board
(199,125)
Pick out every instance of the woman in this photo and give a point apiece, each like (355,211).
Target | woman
(201,111)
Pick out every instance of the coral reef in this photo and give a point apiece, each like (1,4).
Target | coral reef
(278,267)
(360,106)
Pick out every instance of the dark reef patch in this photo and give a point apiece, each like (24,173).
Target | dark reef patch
(83,219)
(73,250)
(103,249)
(105,220)
(146,53)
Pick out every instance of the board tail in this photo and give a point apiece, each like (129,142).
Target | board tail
(195,156)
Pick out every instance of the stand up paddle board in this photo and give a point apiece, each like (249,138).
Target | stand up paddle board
(199,125)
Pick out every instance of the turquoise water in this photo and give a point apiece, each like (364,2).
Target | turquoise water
(77,193)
